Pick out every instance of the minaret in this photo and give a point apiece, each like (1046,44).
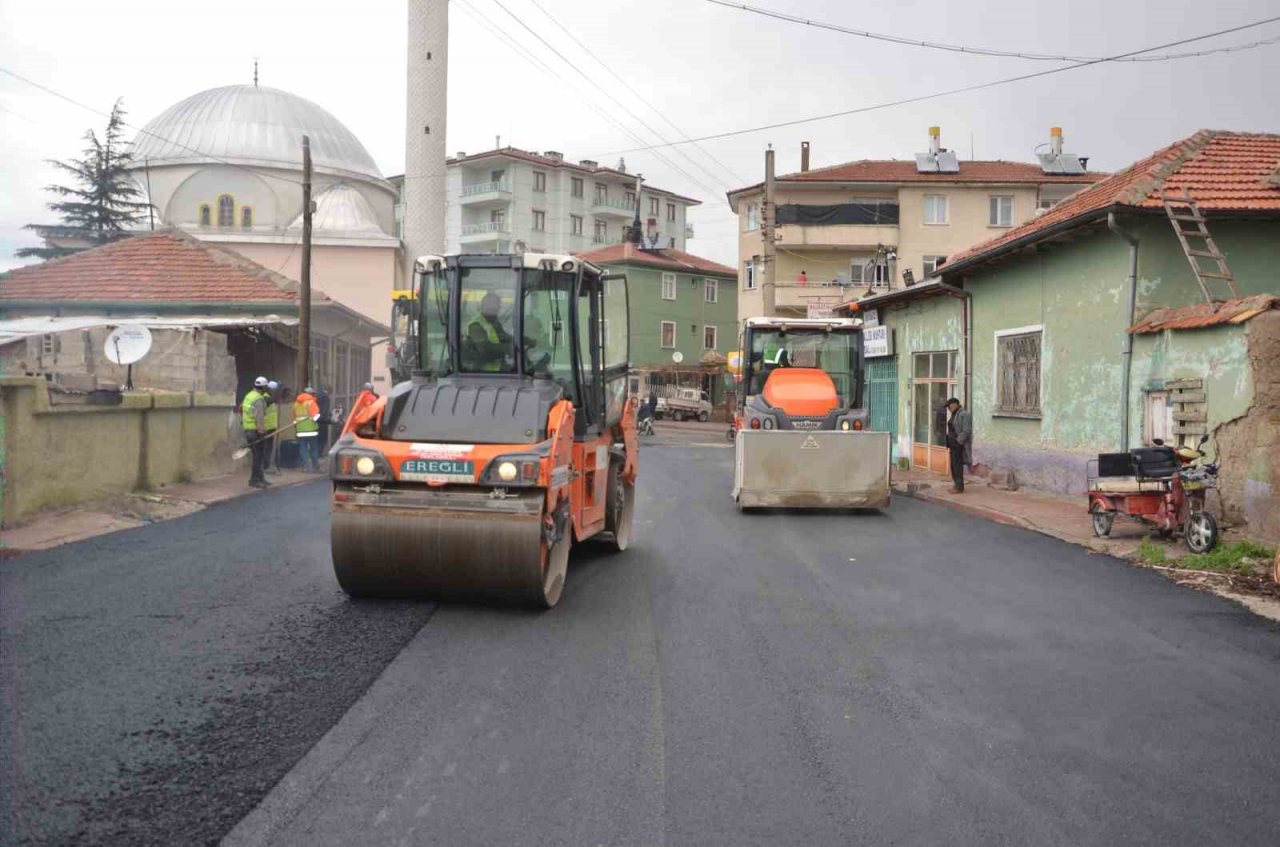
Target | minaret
(425,181)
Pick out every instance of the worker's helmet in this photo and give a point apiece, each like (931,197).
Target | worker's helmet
(309,390)
(260,382)
(368,386)
(273,385)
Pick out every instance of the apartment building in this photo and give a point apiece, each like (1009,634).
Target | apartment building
(507,197)
(884,224)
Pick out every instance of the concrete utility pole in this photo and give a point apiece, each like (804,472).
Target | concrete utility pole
(425,179)
(304,296)
(768,253)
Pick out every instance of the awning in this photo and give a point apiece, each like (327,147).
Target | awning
(17,329)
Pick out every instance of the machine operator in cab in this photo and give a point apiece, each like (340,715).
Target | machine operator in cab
(489,345)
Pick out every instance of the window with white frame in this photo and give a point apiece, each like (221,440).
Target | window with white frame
(1158,420)
(935,209)
(1001,210)
(575,186)
(668,286)
(539,220)
(749,273)
(602,192)
(575,224)
(931,265)
(668,334)
(671,211)
(631,199)
(711,290)
(539,181)
(653,206)
(601,234)
(869,271)
(708,337)
(753,217)
(1017,374)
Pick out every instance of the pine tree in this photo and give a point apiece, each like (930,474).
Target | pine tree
(103,205)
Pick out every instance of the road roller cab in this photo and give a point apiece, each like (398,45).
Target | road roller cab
(511,438)
(804,438)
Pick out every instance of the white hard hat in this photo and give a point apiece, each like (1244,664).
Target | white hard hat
(273,385)
(309,390)
(260,382)
(368,386)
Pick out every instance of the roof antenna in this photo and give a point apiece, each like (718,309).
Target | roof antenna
(255,71)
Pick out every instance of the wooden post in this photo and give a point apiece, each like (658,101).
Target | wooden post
(304,296)
(768,290)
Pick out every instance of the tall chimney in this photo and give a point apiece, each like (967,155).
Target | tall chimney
(935,139)
(804,156)
(1055,140)
(425,112)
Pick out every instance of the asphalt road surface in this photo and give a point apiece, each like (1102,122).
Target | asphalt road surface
(913,677)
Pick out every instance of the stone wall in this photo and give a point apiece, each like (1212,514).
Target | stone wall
(59,455)
(179,360)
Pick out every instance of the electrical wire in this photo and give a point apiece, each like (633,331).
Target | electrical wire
(733,176)
(982,51)
(935,95)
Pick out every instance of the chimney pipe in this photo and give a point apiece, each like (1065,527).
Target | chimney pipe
(1055,140)
(935,139)
(804,156)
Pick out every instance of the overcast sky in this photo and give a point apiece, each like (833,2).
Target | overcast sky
(707,68)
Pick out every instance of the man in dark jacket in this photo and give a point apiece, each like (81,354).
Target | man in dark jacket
(959,425)
(326,409)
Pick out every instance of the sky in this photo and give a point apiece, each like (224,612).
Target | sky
(695,68)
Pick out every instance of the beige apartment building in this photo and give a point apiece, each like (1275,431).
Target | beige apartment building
(881,224)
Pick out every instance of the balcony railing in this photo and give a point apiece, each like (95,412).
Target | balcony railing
(613,204)
(486,188)
(492,227)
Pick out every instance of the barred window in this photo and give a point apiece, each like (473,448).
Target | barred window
(226,210)
(1018,373)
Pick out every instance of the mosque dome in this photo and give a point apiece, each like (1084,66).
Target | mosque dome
(342,209)
(248,125)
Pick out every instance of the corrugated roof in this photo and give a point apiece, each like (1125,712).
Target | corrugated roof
(671,259)
(1203,315)
(156,267)
(1224,171)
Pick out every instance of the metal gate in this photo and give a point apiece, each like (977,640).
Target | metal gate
(882,395)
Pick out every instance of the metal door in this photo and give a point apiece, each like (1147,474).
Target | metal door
(882,395)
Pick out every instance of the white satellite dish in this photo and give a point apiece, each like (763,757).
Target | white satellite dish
(677,357)
(126,345)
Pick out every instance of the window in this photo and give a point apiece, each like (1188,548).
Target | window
(653,206)
(539,181)
(753,217)
(708,337)
(671,211)
(711,290)
(935,209)
(1045,204)
(933,381)
(749,274)
(49,345)
(931,265)
(496,176)
(631,199)
(668,333)
(226,210)
(1158,419)
(601,232)
(1018,372)
(1001,211)
(668,286)
(602,193)
(246,217)
(575,186)
(869,271)
(206,218)
(498,217)
(575,224)
(539,220)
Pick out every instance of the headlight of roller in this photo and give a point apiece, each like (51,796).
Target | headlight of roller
(513,470)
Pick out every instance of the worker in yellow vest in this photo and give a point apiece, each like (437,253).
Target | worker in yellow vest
(306,412)
(488,344)
(253,418)
(273,427)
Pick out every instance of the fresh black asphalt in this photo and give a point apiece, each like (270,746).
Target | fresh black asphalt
(913,677)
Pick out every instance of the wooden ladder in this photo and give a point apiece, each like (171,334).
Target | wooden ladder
(1182,210)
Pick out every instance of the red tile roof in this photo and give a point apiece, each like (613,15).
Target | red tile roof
(894,171)
(1202,314)
(165,266)
(1224,171)
(676,260)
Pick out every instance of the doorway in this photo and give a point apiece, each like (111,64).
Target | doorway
(933,383)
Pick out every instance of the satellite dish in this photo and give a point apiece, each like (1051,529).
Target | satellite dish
(677,357)
(127,344)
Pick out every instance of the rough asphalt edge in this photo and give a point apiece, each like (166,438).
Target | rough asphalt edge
(1247,600)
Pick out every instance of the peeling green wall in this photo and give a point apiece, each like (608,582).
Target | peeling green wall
(924,326)
(1218,355)
(1165,278)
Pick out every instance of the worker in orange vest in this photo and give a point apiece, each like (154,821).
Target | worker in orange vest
(306,412)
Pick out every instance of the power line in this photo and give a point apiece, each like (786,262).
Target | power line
(966,89)
(710,191)
(982,51)
(636,94)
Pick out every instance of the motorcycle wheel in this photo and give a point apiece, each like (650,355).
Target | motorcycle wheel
(1201,532)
